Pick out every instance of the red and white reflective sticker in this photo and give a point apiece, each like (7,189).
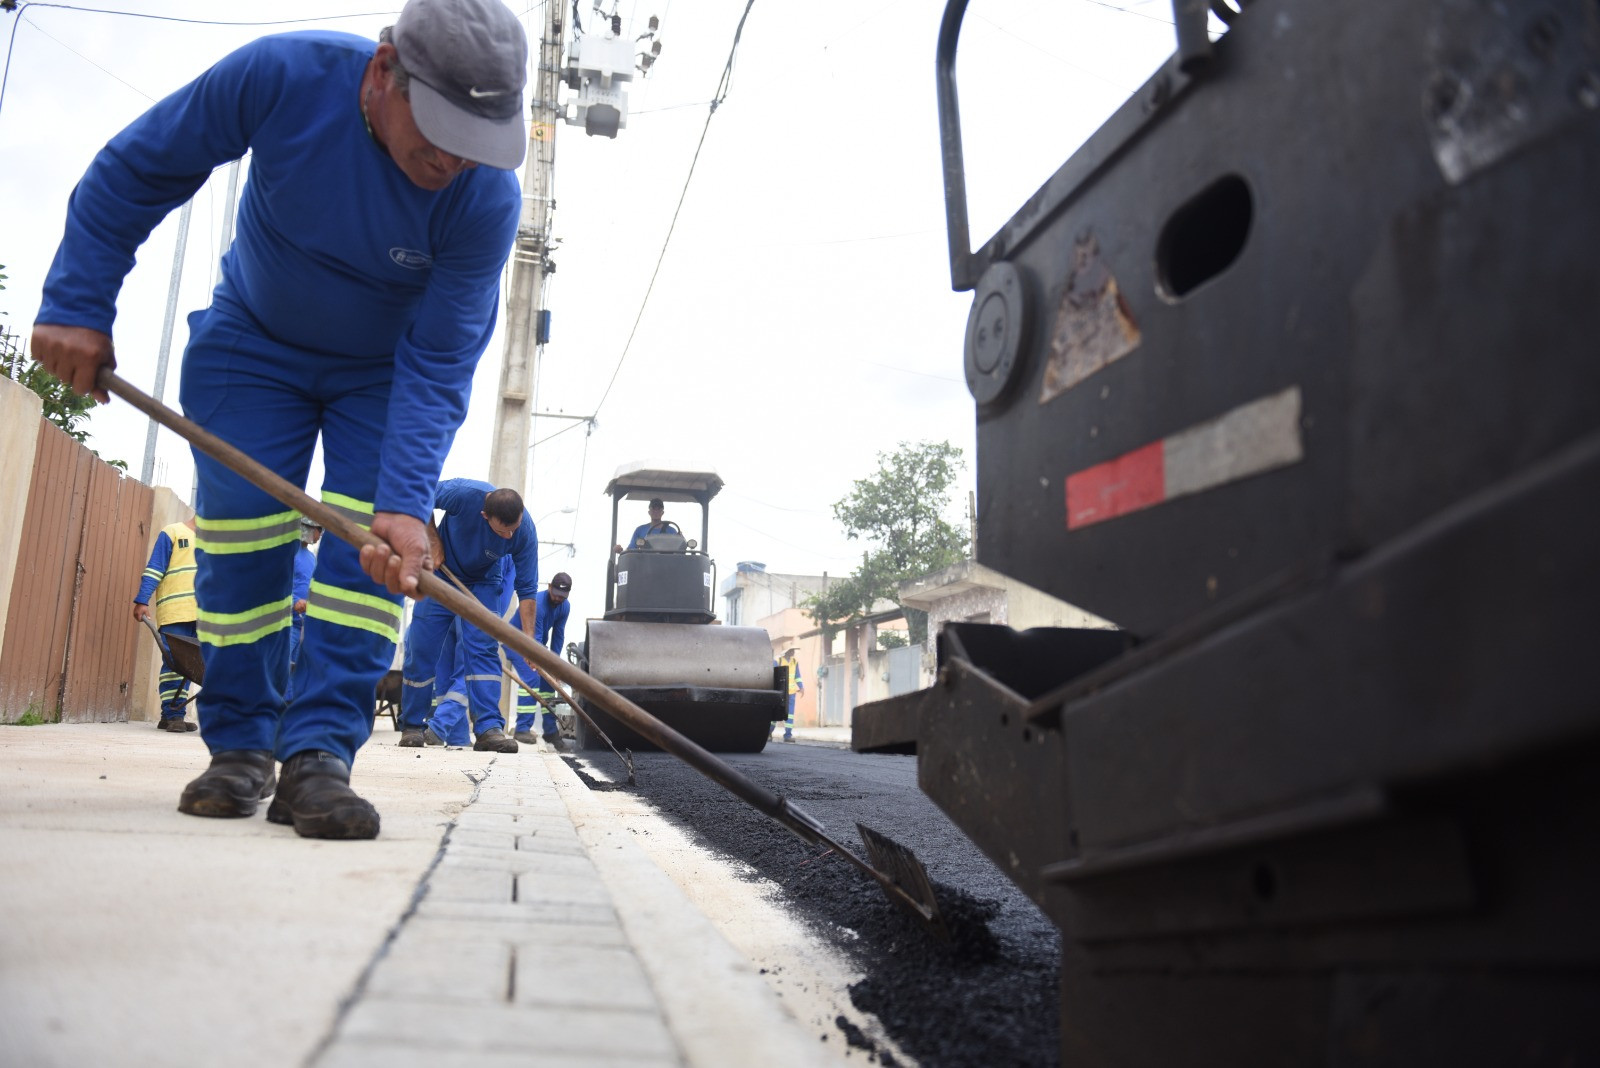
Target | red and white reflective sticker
(1255,437)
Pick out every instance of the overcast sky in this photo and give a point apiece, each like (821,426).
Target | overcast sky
(802,321)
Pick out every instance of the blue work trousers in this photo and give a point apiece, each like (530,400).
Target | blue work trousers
(431,622)
(449,717)
(530,713)
(174,688)
(273,402)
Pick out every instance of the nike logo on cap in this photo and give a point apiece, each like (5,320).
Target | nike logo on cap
(479,94)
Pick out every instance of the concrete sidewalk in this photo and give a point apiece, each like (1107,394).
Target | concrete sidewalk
(502,916)
(832,737)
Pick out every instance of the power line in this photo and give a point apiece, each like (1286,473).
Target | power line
(21,9)
(1127,11)
(722,94)
(570,426)
(1062,59)
(40,29)
(583,465)
(208,22)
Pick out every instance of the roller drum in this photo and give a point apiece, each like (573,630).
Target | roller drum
(655,654)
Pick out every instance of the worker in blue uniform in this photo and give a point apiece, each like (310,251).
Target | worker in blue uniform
(447,723)
(305,562)
(657,525)
(169,579)
(549,630)
(481,526)
(355,301)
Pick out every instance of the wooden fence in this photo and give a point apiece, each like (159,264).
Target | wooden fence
(70,641)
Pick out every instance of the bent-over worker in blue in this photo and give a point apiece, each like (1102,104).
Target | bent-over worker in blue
(481,526)
(353,306)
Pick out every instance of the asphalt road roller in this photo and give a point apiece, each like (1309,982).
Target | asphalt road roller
(660,643)
(1290,371)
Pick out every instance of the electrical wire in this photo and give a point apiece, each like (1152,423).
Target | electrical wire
(21,9)
(208,22)
(1062,59)
(575,424)
(722,94)
(583,466)
(1127,11)
(40,29)
(11,48)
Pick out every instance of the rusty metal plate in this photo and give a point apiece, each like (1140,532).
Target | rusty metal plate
(1094,325)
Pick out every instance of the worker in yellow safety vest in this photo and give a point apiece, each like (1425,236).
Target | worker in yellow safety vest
(169,578)
(796,686)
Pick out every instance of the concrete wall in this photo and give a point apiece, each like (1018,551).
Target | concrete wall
(166,508)
(785,629)
(968,592)
(1027,607)
(20,410)
(763,593)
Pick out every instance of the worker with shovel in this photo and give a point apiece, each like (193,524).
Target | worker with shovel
(169,578)
(482,528)
(353,306)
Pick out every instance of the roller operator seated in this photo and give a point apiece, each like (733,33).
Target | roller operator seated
(657,525)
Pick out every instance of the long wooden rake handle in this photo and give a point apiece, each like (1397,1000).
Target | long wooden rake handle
(467,607)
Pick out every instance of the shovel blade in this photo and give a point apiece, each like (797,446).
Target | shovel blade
(901,867)
(186,658)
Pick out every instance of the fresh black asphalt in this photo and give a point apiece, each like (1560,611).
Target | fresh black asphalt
(986,997)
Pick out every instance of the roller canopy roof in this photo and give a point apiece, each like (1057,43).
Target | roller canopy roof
(642,481)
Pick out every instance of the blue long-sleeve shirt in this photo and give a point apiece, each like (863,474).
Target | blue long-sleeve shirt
(472,550)
(550,628)
(644,530)
(550,624)
(160,557)
(337,250)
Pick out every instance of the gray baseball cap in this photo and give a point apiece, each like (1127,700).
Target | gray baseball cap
(468,61)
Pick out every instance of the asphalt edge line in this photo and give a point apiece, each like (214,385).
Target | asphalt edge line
(348,1002)
(735,1018)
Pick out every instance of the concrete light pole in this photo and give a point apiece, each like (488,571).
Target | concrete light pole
(508,458)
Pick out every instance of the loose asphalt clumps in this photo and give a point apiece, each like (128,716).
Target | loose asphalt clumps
(987,996)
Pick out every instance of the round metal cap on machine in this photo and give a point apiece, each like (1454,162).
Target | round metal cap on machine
(995,329)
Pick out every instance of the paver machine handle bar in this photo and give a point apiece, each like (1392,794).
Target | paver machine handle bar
(1189,18)
(917,898)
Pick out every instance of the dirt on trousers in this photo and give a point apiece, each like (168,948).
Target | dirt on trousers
(986,997)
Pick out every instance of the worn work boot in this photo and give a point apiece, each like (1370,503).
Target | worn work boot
(232,786)
(175,724)
(315,797)
(430,738)
(494,740)
(527,737)
(411,738)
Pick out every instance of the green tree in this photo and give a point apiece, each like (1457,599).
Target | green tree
(62,407)
(899,512)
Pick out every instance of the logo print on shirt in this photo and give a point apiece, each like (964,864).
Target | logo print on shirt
(410,258)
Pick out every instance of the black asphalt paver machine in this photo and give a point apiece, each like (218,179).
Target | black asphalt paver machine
(1291,371)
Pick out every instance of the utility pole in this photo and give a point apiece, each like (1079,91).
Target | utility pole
(508,458)
(147,470)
